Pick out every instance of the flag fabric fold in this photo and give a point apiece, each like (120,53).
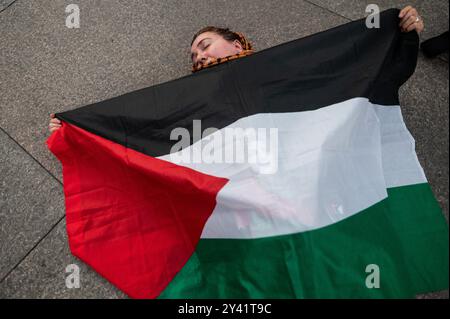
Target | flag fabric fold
(345,193)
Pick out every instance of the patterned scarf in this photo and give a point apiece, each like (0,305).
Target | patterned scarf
(247,50)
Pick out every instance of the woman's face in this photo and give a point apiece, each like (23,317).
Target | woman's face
(212,45)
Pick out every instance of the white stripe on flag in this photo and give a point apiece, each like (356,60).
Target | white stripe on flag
(401,166)
(332,163)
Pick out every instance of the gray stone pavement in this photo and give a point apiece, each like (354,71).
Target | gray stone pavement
(123,46)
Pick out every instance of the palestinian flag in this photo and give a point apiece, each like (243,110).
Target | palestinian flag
(339,208)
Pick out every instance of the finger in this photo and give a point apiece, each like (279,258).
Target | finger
(52,115)
(412,27)
(411,13)
(54,125)
(403,11)
(420,27)
(55,120)
(410,22)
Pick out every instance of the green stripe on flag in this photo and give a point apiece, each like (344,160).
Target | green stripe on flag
(405,235)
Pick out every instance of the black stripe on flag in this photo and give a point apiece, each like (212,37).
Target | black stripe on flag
(305,74)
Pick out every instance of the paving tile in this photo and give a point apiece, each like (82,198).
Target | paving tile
(31,203)
(43,274)
(434,13)
(5,3)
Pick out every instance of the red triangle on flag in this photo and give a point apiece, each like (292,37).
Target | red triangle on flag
(134,218)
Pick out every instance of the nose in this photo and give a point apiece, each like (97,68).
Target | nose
(202,57)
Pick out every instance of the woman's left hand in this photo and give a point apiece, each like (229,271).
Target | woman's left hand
(410,20)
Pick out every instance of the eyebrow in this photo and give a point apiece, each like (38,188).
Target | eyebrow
(192,54)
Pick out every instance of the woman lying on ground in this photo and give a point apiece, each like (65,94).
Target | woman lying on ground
(212,45)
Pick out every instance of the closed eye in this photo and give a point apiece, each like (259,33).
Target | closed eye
(202,47)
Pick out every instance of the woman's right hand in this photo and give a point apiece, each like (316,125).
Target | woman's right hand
(54,124)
